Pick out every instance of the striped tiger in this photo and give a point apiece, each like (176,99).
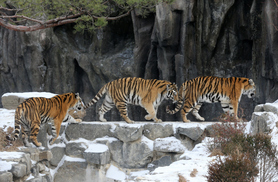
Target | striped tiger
(33,112)
(193,93)
(148,93)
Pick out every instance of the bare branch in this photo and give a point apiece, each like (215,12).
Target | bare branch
(23,17)
(22,28)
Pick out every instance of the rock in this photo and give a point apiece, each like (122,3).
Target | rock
(45,155)
(163,161)
(169,144)
(154,131)
(88,131)
(194,133)
(128,132)
(131,155)
(259,108)
(268,107)
(261,122)
(19,170)
(72,171)
(99,154)
(12,101)
(59,153)
(75,149)
(26,159)
(6,177)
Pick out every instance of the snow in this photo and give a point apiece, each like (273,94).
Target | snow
(6,118)
(114,173)
(197,159)
(27,95)
(96,148)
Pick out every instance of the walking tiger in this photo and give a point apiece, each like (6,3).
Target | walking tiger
(193,93)
(148,93)
(32,112)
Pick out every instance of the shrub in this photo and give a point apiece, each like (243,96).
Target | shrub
(257,153)
(234,168)
(228,127)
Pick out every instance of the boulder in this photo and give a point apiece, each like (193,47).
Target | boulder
(97,154)
(6,177)
(58,154)
(154,130)
(261,122)
(128,132)
(72,171)
(271,107)
(45,155)
(193,133)
(168,145)
(19,170)
(131,155)
(89,130)
(74,149)
(163,161)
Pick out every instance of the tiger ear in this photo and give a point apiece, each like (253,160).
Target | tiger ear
(76,95)
(251,82)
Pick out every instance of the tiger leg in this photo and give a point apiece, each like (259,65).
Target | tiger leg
(55,127)
(234,108)
(195,112)
(229,108)
(35,128)
(25,135)
(122,107)
(105,107)
(184,111)
(151,112)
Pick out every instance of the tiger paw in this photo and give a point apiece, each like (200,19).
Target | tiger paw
(148,117)
(103,120)
(78,120)
(38,144)
(130,121)
(158,120)
(187,121)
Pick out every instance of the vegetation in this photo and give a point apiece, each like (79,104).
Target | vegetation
(244,156)
(31,15)
(6,145)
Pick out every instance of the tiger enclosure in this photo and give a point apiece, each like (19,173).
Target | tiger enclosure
(172,40)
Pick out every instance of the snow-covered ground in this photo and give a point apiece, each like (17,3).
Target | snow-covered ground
(193,166)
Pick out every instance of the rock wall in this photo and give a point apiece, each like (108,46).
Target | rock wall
(86,151)
(180,41)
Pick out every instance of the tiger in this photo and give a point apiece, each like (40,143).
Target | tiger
(33,112)
(147,93)
(228,91)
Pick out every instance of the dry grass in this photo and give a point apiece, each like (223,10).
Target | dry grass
(193,173)
(181,178)
(6,145)
(216,152)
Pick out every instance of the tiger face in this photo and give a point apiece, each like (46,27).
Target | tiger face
(250,89)
(79,104)
(172,92)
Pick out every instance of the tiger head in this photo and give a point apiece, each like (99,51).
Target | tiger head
(250,89)
(172,92)
(79,105)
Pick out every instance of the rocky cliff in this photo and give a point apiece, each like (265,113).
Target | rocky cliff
(180,41)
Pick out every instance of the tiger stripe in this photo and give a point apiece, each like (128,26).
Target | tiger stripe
(228,91)
(148,93)
(35,111)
